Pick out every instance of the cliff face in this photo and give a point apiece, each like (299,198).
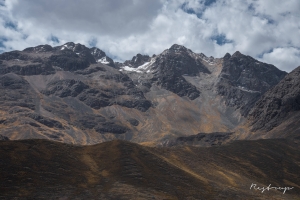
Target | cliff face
(243,80)
(278,107)
(76,94)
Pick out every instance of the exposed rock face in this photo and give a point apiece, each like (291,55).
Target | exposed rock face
(181,60)
(65,88)
(133,96)
(90,70)
(69,61)
(133,122)
(15,91)
(137,60)
(20,63)
(89,121)
(276,104)
(172,64)
(99,123)
(201,139)
(101,57)
(3,138)
(243,80)
(44,58)
(111,128)
(45,121)
(100,97)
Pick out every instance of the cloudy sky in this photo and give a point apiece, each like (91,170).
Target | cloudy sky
(268,30)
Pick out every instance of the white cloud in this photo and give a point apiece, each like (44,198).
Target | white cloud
(124,28)
(288,58)
(277,8)
(117,17)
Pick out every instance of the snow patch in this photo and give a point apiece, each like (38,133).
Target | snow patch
(139,69)
(68,47)
(103,60)
(95,51)
(206,59)
(247,90)
(144,68)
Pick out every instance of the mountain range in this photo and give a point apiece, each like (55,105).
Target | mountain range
(75,124)
(75,94)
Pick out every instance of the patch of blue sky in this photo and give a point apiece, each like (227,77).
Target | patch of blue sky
(191,11)
(92,42)
(24,36)
(209,2)
(114,57)
(221,39)
(11,25)
(2,40)
(261,55)
(54,39)
(268,18)
(251,9)
(2,2)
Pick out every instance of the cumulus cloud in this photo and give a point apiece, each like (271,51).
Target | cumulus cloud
(264,29)
(287,58)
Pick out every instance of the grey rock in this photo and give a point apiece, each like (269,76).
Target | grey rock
(202,139)
(99,54)
(65,88)
(111,128)
(3,138)
(133,122)
(274,106)
(137,60)
(45,121)
(243,80)
(89,121)
(15,91)
(172,64)
(69,61)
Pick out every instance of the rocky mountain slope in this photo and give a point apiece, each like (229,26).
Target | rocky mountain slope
(43,169)
(243,80)
(75,94)
(276,113)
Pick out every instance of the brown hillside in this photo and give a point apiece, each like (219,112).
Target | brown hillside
(35,169)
